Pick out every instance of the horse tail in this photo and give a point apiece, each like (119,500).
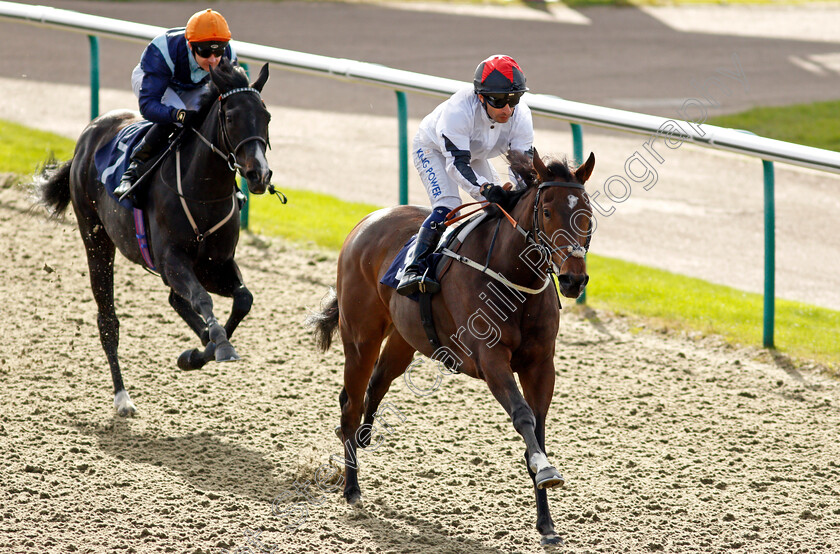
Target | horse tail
(325,322)
(52,186)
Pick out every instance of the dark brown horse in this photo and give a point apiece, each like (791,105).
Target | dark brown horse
(192,214)
(489,327)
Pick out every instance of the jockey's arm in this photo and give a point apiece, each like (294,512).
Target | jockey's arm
(156,78)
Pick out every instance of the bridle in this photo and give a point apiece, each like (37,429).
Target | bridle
(226,138)
(230,156)
(536,234)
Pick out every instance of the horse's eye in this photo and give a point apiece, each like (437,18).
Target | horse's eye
(546,213)
(228,118)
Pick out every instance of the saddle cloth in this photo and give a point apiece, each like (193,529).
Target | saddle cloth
(112,159)
(452,239)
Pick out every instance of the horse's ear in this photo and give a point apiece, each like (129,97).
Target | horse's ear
(540,167)
(583,173)
(260,82)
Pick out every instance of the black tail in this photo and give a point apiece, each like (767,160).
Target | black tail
(325,322)
(53,186)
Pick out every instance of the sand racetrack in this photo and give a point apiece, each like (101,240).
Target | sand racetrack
(667,443)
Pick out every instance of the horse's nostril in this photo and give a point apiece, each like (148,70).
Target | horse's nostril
(569,280)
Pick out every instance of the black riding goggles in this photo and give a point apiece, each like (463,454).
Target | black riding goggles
(210,48)
(499,101)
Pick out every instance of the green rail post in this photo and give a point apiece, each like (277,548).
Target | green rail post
(577,145)
(402,122)
(769,249)
(769,252)
(243,184)
(94,76)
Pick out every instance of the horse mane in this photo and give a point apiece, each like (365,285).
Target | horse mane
(523,166)
(227,76)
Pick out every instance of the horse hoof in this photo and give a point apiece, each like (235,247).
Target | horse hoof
(123,404)
(549,478)
(551,540)
(191,359)
(226,353)
(353,497)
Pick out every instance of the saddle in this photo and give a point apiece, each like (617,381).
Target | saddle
(112,159)
(437,264)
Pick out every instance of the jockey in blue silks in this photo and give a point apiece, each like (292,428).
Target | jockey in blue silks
(169,79)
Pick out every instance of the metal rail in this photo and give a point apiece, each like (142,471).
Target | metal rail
(576,113)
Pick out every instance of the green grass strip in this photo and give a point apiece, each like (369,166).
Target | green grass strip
(677,301)
(809,124)
(23,149)
(308,217)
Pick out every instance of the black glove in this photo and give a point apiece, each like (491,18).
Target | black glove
(498,195)
(187,118)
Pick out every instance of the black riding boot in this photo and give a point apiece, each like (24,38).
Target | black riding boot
(412,281)
(150,145)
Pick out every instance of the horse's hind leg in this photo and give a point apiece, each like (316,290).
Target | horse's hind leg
(359,358)
(100,254)
(392,362)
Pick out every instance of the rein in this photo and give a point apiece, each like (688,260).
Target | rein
(532,236)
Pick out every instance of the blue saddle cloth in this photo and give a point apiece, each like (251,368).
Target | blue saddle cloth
(397,268)
(112,159)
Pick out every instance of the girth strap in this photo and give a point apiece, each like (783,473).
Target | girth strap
(428,319)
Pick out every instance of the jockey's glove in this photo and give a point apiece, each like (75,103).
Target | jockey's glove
(187,118)
(498,195)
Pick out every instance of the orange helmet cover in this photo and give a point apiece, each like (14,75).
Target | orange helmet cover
(207,25)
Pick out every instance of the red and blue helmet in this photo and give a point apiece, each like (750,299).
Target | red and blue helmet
(499,74)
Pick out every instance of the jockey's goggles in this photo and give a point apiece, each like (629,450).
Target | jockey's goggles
(210,48)
(499,101)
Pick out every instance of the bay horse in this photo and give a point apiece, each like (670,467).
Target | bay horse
(193,229)
(487,327)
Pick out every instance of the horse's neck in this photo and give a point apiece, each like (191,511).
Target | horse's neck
(511,250)
(204,172)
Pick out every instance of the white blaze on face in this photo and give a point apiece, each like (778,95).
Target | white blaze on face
(260,157)
(572,201)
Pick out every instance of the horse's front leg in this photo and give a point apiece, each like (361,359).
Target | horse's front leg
(183,308)
(502,384)
(182,279)
(538,388)
(227,281)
